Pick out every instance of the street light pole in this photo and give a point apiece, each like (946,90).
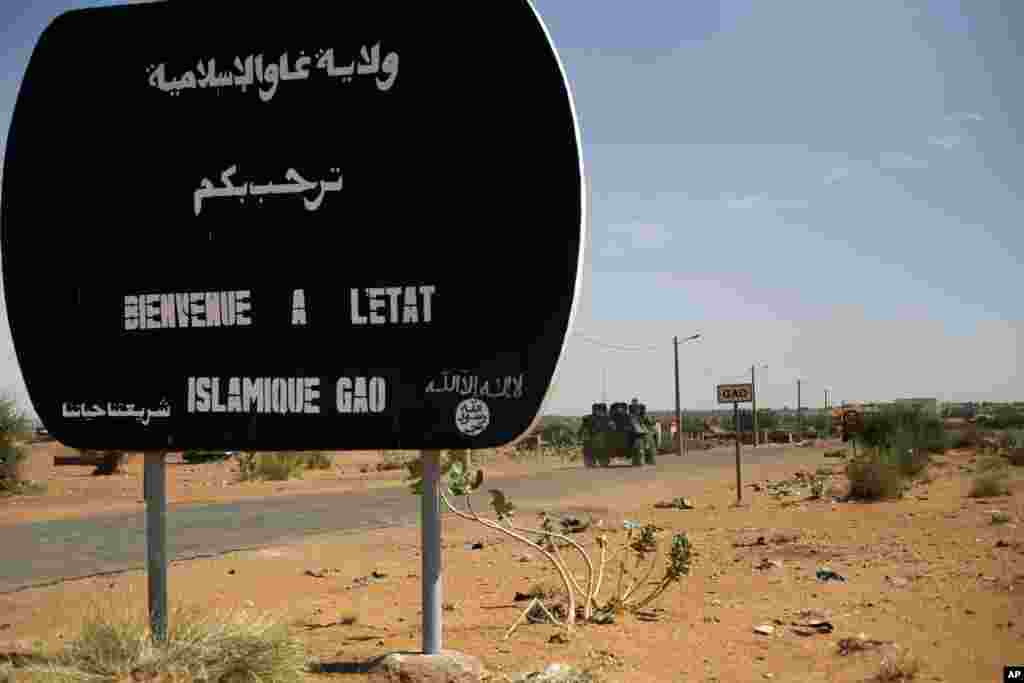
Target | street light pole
(679,410)
(753,396)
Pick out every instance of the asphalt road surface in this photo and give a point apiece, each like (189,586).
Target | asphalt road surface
(42,553)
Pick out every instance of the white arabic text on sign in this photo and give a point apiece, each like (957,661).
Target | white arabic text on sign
(472,416)
(251,71)
(97,410)
(298,185)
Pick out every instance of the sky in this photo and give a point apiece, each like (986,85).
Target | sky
(828,189)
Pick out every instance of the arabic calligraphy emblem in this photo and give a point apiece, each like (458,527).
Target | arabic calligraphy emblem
(472,416)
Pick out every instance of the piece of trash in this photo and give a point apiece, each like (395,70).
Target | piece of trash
(574,525)
(897,581)
(859,644)
(559,639)
(810,628)
(765,564)
(765,629)
(675,504)
(603,618)
(826,574)
(474,546)
(378,575)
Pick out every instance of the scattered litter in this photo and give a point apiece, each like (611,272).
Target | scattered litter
(320,573)
(559,639)
(765,629)
(861,643)
(768,564)
(477,546)
(1002,544)
(231,572)
(378,575)
(826,574)
(675,504)
(898,581)
(574,525)
(813,627)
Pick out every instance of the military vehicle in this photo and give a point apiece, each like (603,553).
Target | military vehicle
(626,431)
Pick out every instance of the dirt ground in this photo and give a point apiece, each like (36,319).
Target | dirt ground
(72,491)
(930,573)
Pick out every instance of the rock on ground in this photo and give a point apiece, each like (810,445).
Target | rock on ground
(409,667)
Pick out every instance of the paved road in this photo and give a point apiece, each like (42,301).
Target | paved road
(41,553)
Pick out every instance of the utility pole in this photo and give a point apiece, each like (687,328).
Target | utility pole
(679,411)
(799,410)
(753,400)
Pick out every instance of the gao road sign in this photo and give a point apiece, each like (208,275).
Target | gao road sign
(735,393)
(326,226)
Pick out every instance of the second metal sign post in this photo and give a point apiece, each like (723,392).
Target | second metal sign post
(736,394)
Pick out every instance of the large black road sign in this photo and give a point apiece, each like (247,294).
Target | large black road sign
(292,225)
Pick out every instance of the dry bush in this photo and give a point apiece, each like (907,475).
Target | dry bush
(902,667)
(990,483)
(271,466)
(317,460)
(231,647)
(873,477)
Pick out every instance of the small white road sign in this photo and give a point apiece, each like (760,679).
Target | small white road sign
(735,393)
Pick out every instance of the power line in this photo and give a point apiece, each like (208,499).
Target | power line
(618,347)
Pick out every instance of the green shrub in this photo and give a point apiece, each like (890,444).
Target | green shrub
(874,477)
(989,483)
(271,466)
(318,460)
(1000,517)
(990,463)
(196,457)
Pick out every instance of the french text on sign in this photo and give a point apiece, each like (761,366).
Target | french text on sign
(187,309)
(382,307)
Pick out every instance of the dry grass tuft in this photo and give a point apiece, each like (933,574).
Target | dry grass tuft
(225,648)
(901,667)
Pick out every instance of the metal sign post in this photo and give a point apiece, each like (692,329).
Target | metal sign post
(431,541)
(154,485)
(736,394)
(736,424)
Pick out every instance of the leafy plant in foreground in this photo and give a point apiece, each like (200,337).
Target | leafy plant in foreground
(640,542)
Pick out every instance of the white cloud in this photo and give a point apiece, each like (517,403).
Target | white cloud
(763,201)
(959,118)
(644,235)
(948,141)
(836,175)
(613,250)
(900,160)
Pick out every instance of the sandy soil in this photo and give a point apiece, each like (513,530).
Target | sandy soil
(72,491)
(930,573)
